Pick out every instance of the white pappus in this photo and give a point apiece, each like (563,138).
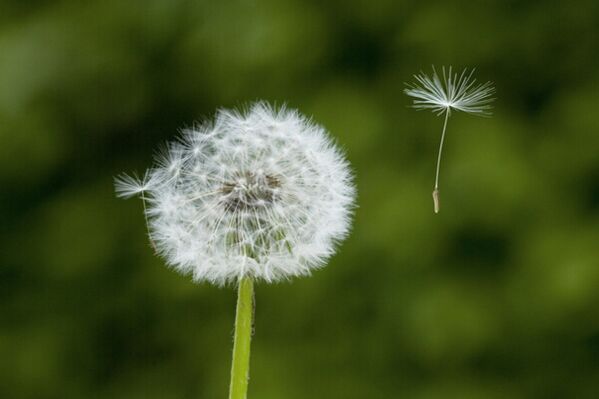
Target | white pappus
(460,92)
(264,194)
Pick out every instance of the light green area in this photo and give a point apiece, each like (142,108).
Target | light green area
(494,297)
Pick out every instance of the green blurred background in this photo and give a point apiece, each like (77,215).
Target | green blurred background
(495,297)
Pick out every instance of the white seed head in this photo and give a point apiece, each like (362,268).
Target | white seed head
(451,91)
(263,193)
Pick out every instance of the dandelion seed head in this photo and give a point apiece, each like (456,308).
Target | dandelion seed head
(263,193)
(451,91)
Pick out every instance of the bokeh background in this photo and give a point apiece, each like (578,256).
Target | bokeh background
(495,297)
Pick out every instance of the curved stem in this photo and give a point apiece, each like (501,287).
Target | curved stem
(240,368)
(143,200)
(436,189)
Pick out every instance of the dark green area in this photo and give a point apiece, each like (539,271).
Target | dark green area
(495,297)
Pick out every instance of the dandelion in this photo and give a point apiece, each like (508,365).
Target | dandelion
(258,195)
(450,91)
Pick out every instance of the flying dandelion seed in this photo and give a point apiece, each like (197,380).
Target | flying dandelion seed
(257,195)
(442,94)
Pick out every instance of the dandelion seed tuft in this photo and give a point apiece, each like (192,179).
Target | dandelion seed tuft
(127,186)
(451,91)
(263,194)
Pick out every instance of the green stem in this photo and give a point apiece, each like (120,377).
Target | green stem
(240,369)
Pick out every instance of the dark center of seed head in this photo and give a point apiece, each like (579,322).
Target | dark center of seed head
(250,191)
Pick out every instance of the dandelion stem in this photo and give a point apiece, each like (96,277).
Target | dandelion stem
(240,369)
(436,190)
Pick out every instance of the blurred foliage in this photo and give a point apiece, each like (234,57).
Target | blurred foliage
(495,297)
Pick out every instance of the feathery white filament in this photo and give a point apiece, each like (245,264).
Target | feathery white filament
(264,194)
(451,91)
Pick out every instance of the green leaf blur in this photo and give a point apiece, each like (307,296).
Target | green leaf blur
(495,297)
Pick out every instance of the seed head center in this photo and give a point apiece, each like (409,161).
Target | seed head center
(250,191)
